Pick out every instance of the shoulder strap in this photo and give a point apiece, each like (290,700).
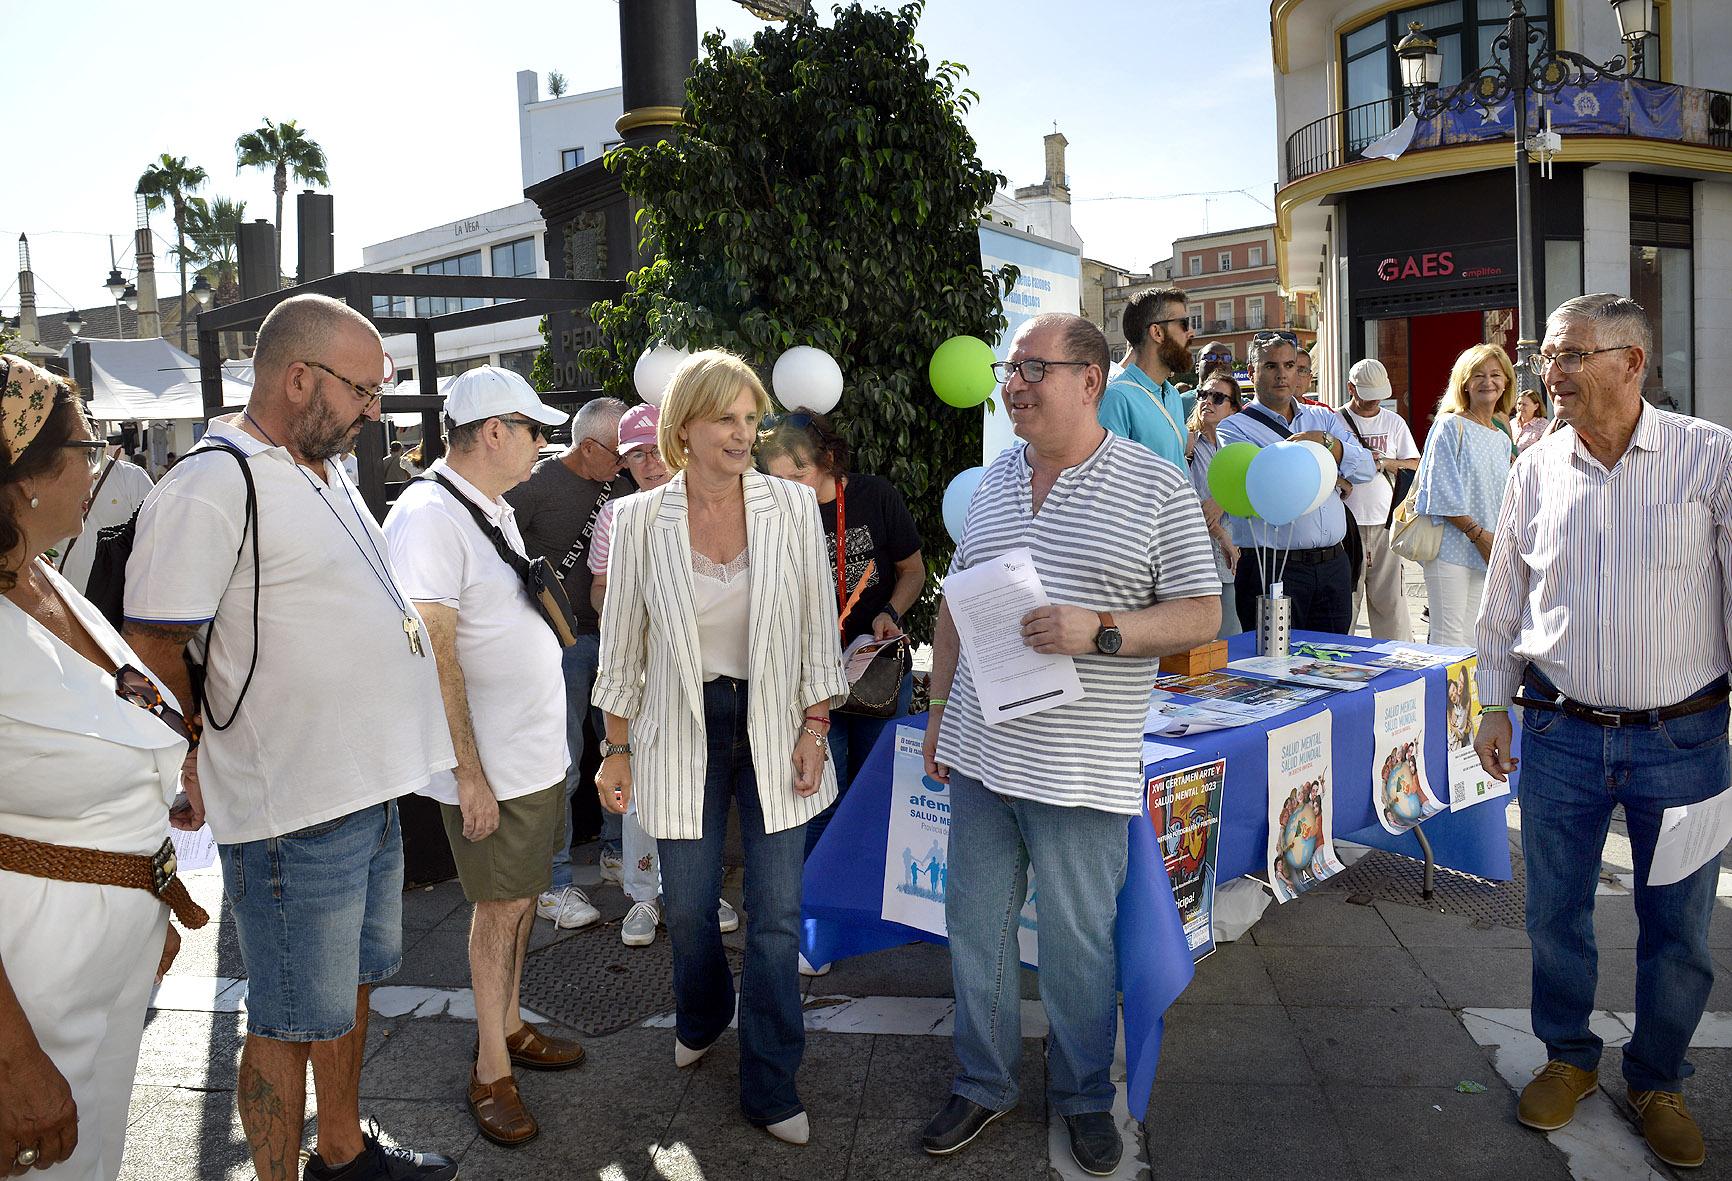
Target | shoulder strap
(518,563)
(580,548)
(251,522)
(1161,405)
(1348,416)
(1269,420)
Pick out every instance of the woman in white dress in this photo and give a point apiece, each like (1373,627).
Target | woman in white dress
(82,767)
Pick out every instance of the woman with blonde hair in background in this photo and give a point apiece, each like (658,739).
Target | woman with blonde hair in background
(1461,480)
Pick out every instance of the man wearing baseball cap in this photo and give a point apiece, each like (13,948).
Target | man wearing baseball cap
(504,695)
(1386,436)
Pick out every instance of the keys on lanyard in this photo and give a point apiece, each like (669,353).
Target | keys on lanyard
(413,631)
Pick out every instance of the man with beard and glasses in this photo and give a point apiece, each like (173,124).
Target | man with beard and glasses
(1141,403)
(341,715)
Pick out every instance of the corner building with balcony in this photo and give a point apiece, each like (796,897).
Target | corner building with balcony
(1413,259)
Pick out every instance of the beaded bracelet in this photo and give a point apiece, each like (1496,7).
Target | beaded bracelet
(931,701)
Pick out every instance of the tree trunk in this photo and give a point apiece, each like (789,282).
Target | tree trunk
(281,184)
(180,252)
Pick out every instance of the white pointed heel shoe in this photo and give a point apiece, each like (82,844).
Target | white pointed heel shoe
(796,1129)
(685,1056)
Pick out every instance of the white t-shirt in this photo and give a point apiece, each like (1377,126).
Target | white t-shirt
(341,714)
(123,489)
(510,658)
(1387,437)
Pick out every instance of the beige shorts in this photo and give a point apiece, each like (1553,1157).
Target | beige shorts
(516,859)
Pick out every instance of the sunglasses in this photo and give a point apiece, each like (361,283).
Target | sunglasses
(1291,338)
(134,686)
(1215,399)
(537,431)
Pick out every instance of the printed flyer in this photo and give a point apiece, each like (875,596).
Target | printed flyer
(1400,794)
(1326,674)
(917,851)
(1185,808)
(1468,782)
(1301,831)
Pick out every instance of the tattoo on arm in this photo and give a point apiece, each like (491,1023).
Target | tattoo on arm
(168,633)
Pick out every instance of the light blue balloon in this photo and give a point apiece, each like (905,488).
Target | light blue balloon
(956,499)
(1282,482)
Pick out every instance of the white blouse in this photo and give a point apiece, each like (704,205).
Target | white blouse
(723,596)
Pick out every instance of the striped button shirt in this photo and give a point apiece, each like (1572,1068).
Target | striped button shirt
(1613,583)
(1121,531)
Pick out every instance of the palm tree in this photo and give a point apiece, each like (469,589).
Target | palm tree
(285,149)
(170,181)
(211,227)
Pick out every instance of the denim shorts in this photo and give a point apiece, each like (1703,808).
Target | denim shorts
(319,913)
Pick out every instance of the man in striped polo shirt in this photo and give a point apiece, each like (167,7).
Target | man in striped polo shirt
(1606,618)
(1119,541)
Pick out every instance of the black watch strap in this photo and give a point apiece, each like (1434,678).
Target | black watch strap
(890,610)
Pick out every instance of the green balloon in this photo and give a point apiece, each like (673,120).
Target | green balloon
(961,371)
(1227,478)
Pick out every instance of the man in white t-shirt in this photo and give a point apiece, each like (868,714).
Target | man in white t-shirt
(120,489)
(1385,435)
(320,707)
(499,674)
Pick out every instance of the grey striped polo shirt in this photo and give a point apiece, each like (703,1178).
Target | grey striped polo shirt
(1119,532)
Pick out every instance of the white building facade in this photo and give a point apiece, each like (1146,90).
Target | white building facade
(1413,259)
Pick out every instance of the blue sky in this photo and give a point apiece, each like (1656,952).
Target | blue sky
(416,105)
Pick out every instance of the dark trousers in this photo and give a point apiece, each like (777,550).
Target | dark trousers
(1322,594)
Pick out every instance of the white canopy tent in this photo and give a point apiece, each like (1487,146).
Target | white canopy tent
(149,380)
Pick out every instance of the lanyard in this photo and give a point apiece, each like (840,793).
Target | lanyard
(844,601)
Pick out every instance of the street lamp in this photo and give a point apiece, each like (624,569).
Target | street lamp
(74,322)
(116,285)
(201,291)
(1521,61)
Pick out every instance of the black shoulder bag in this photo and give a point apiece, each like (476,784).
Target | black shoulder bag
(1402,478)
(539,580)
(1350,540)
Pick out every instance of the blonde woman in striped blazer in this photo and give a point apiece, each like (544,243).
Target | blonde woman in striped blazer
(719,664)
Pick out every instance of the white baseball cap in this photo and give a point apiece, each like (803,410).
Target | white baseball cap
(1370,379)
(488,391)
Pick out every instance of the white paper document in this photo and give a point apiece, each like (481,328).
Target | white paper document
(987,603)
(193,850)
(1689,836)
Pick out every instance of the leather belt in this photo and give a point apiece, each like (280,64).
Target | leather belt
(1310,557)
(65,863)
(1707,699)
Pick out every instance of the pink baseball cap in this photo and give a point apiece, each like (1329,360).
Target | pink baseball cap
(637,427)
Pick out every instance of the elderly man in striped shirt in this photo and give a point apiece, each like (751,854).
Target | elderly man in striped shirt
(1606,618)
(1119,542)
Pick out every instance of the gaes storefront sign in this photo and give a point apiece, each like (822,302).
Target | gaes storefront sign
(1445,266)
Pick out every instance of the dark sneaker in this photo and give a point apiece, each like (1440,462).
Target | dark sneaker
(380,1162)
(956,1126)
(1095,1142)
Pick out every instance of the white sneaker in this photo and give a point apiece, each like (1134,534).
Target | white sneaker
(639,928)
(611,862)
(727,916)
(806,969)
(568,908)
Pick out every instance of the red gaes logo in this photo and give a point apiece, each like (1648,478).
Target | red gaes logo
(1435,264)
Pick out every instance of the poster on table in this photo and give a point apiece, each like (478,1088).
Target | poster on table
(917,850)
(1185,808)
(1469,784)
(1301,833)
(1400,793)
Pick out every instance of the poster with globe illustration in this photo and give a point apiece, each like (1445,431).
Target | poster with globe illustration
(1400,792)
(917,850)
(1301,833)
(1185,808)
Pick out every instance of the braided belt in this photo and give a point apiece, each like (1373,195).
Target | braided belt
(64,863)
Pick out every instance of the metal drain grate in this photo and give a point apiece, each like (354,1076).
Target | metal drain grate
(1390,877)
(596,985)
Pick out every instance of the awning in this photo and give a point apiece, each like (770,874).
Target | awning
(148,380)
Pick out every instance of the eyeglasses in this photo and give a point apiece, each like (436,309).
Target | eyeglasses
(367,394)
(92,448)
(1569,360)
(641,455)
(536,430)
(1215,399)
(134,686)
(1291,338)
(1185,320)
(1033,370)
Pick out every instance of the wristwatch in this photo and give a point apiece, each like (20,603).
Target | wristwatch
(1109,639)
(892,612)
(609,749)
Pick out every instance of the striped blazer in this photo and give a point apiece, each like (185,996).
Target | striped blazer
(650,671)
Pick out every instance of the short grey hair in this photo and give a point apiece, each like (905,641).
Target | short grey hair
(301,328)
(598,419)
(1617,319)
(1080,339)
(1260,345)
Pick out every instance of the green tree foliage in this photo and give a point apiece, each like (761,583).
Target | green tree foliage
(211,226)
(170,182)
(287,150)
(824,192)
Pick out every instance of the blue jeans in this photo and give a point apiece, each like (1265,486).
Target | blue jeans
(1078,855)
(772,1026)
(1573,774)
(852,737)
(579,663)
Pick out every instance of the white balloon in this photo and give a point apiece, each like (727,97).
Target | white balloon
(1326,472)
(806,378)
(655,370)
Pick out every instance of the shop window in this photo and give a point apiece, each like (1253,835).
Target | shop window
(1661,280)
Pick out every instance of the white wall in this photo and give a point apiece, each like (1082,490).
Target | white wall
(1606,230)
(1713,259)
(546,127)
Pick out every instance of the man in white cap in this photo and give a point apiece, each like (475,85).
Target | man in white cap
(1383,433)
(456,547)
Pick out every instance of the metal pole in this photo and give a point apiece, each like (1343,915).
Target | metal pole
(1527,310)
(1430,863)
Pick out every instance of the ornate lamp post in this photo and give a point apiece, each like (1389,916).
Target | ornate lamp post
(1521,61)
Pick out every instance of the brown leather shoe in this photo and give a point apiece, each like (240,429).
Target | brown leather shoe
(1549,1102)
(499,1111)
(1668,1128)
(531,1048)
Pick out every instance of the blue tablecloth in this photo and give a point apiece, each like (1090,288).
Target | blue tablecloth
(845,876)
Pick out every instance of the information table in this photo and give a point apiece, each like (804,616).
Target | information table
(844,878)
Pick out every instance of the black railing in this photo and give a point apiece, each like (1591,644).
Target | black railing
(1338,139)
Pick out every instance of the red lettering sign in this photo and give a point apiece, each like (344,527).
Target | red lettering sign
(1434,264)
